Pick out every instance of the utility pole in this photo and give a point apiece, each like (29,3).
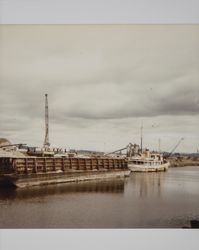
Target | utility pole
(46,140)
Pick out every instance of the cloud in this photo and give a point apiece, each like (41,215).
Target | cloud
(102,82)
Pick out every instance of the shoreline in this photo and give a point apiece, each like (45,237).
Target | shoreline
(175,163)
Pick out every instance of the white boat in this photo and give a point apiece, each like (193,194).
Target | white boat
(147,162)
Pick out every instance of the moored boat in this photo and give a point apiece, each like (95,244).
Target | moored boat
(147,162)
(140,160)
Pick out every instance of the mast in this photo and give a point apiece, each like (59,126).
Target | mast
(141,137)
(159,141)
(46,140)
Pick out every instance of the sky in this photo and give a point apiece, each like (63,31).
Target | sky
(103,82)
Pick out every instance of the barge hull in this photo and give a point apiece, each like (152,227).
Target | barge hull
(56,178)
(34,171)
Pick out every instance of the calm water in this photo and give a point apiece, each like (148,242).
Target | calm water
(145,200)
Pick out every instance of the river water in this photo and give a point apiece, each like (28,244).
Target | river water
(143,200)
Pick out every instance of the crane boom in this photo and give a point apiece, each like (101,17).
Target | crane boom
(181,139)
(10,145)
(119,150)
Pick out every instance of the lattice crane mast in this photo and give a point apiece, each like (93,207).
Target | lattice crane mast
(46,139)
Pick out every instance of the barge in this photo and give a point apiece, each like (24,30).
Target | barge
(32,171)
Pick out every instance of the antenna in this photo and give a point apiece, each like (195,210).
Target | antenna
(46,140)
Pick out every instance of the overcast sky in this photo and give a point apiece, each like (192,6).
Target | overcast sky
(103,82)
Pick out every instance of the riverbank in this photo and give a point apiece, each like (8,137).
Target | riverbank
(183,162)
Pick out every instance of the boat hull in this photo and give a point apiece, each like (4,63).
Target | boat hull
(147,168)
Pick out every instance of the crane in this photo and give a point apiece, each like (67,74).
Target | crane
(46,140)
(181,139)
(130,150)
(117,151)
(20,145)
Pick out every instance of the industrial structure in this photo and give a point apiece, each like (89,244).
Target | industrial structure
(46,139)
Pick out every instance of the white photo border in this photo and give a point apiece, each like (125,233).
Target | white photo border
(99,12)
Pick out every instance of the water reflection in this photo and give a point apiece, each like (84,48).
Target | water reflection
(148,184)
(108,186)
(141,183)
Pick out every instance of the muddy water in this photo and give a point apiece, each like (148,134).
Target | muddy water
(143,200)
